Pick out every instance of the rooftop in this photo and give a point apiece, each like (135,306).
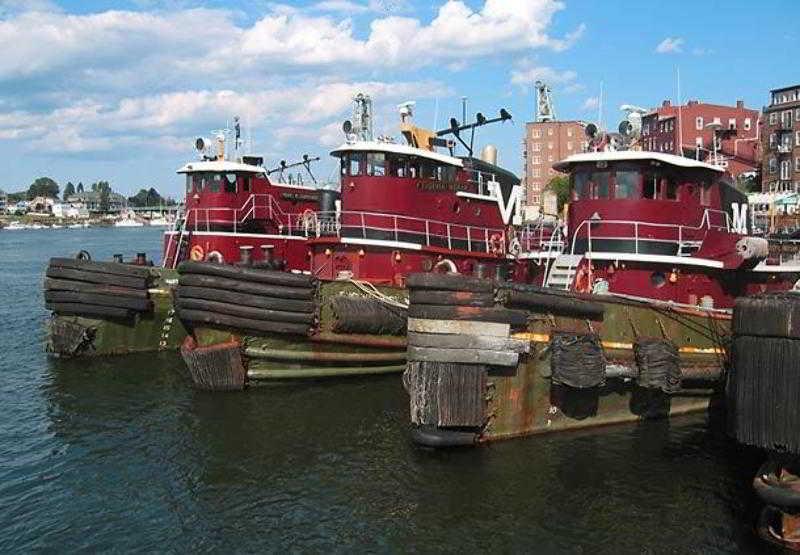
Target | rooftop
(785,88)
(634,155)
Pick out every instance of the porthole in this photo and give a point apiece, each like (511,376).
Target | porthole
(658,279)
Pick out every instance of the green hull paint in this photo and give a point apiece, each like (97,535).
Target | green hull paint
(147,333)
(527,403)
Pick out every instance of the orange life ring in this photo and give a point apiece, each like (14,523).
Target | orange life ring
(196,253)
(496,244)
(582,283)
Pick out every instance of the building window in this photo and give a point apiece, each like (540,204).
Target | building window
(773,165)
(797,164)
(549,131)
(570,131)
(797,137)
(773,140)
(786,118)
(747,124)
(550,145)
(536,172)
(732,123)
(646,129)
(797,114)
(537,133)
(698,122)
(786,169)
(537,160)
(773,118)
(569,145)
(698,141)
(537,147)
(550,158)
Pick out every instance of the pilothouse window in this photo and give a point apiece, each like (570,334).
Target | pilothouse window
(230,183)
(627,184)
(376,164)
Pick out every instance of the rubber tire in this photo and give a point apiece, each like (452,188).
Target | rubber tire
(275,291)
(271,303)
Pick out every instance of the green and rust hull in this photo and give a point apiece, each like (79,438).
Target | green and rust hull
(525,400)
(323,353)
(158,330)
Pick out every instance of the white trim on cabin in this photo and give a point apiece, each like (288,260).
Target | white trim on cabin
(393,148)
(633,156)
(380,243)
(656,258)
(219,166)
(231,234)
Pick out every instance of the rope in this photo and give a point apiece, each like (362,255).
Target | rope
(371,291)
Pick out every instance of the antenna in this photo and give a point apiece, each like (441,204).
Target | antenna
(362,116)
(283,166)
(455,128)
(600,107)
(545,111)
(680,118)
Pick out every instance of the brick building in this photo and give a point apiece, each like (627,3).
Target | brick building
(781,141)
(690,129)
(545,143)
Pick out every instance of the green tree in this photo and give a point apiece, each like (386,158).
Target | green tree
(748,182)
(146,197)
(100,186)
(69,190)
(104,199)
(43,187)
(559,185)
(79,189)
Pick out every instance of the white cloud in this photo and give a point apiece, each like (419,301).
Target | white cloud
(342,6)
(670,45)
(591,103)
(526,73)
(299,111)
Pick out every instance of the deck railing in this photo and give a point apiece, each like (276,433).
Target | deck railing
(682,235)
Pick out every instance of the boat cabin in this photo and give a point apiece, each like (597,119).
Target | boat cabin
(223,195)
(647,203)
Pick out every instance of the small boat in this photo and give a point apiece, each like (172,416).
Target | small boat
(15,226)
(128,222)
(77,226)
(159,222)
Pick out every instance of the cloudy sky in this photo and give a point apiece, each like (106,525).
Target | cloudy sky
(116,90)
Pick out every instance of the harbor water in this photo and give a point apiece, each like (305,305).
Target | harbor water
(121,454)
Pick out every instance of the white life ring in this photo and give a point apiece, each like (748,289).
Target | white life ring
(447,264)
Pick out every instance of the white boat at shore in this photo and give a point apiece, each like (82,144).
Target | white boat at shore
(128,223)
(15,226)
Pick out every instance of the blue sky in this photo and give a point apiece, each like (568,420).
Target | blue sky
(96,90)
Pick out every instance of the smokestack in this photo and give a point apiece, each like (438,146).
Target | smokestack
(666,104)
(740,104)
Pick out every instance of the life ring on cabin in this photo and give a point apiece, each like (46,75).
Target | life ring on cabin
(496,244)
(514,246)
(308,221)
(197,253)
(215,257)
(582,282)
(445,264)
(83,255)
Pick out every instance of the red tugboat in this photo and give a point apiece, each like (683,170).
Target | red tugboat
(630,320)
(404,208)
(234,214)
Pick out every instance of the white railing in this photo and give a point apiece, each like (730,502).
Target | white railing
(684,234)
(405,229)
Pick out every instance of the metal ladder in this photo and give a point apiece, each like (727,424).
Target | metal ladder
(183,221)
(562,272)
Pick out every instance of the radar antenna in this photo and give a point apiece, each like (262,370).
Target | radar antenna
(545,110)
(283,166)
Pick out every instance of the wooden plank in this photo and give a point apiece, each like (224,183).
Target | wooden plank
(96,277)
(479,314)
(440,297)
(464,341)
(449,282)
(114,268)
(238,273)
(465,356)
(51,284)
(215,282)
(466,327)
